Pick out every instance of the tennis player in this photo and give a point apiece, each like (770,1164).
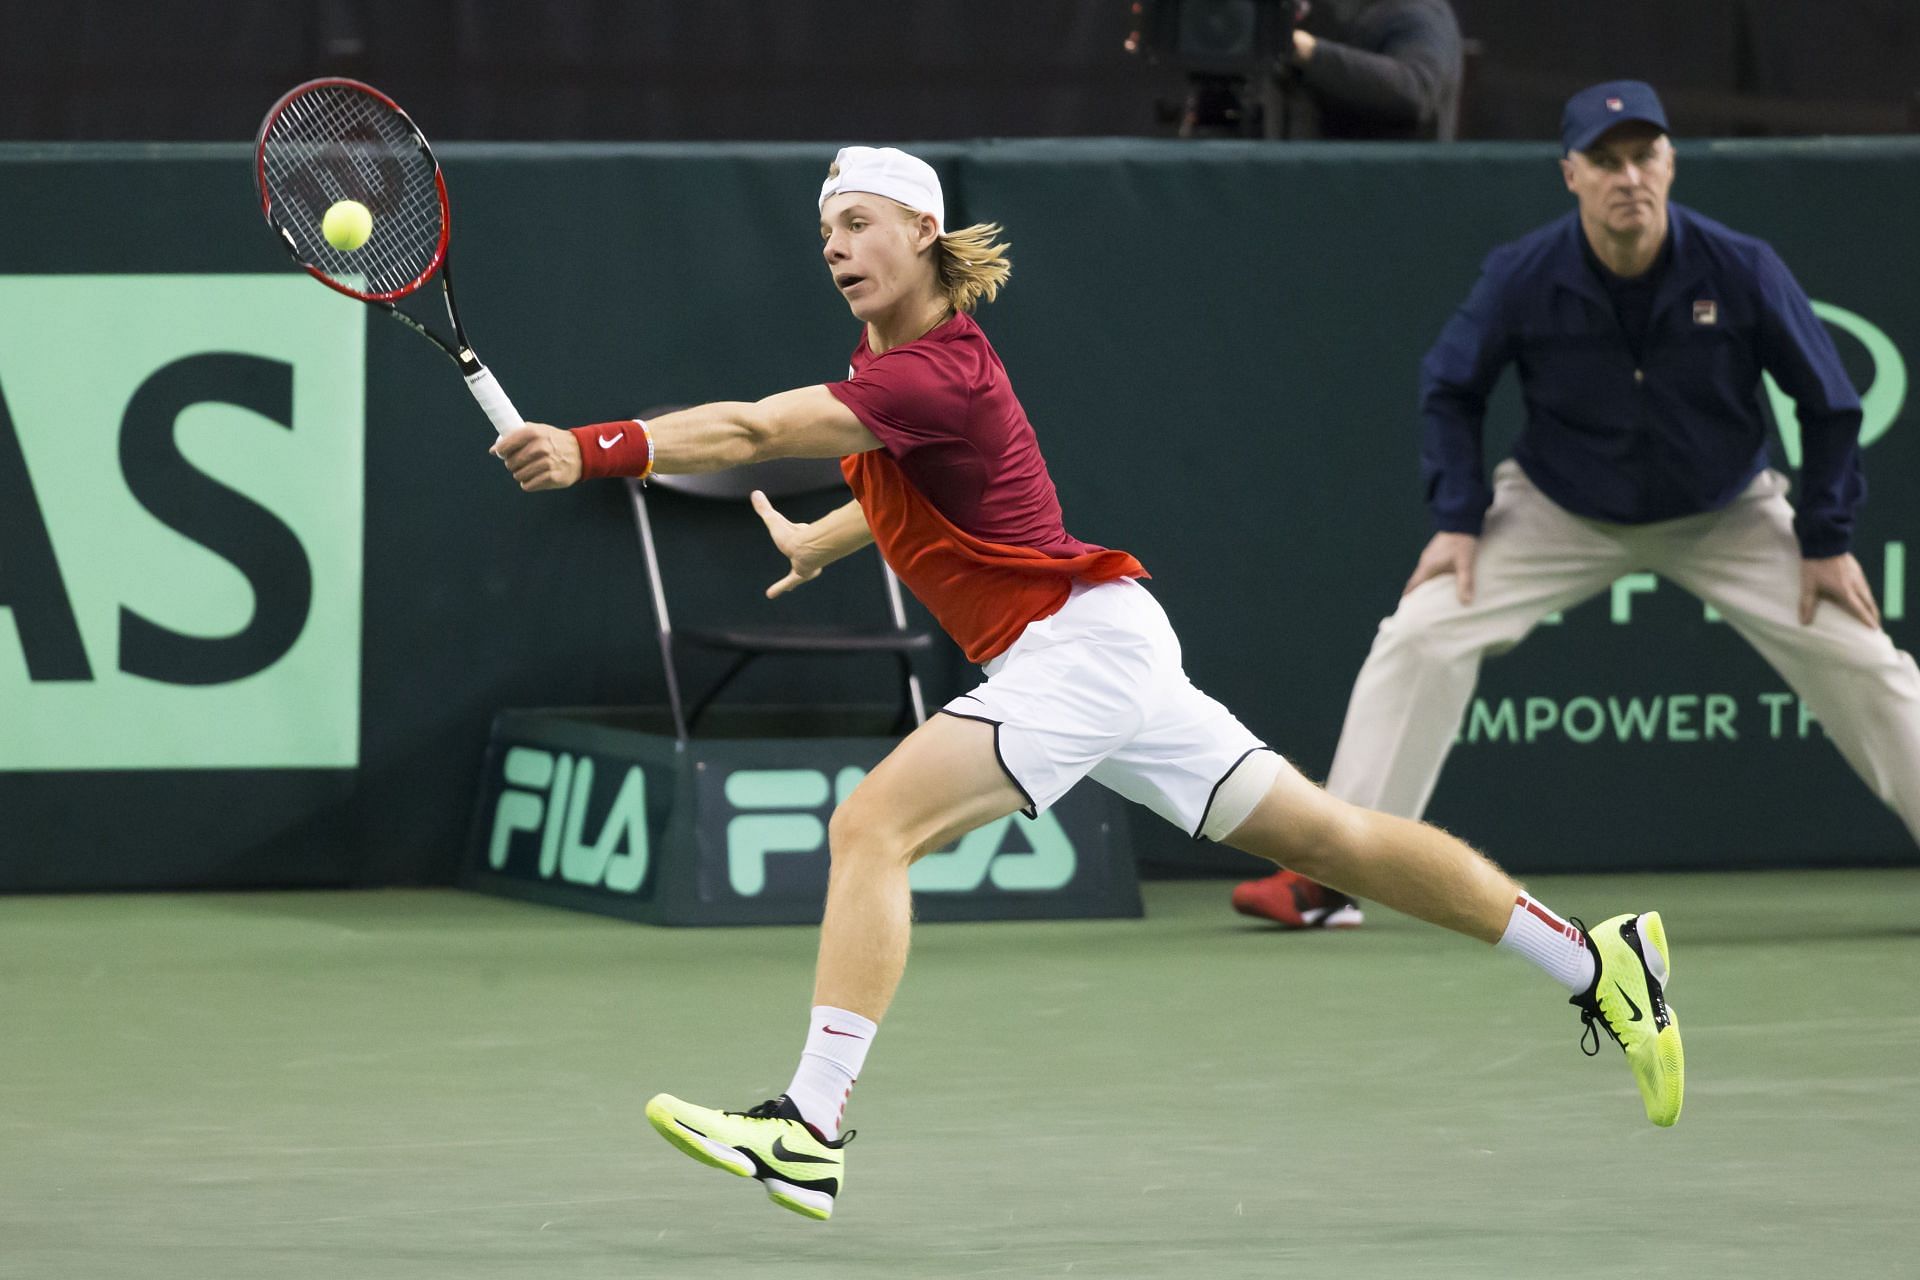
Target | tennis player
(1083,675)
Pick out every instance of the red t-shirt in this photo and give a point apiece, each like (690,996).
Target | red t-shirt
(958,498)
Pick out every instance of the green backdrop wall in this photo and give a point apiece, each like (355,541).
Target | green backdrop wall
(246,524)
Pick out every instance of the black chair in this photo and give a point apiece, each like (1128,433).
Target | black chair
(778,479)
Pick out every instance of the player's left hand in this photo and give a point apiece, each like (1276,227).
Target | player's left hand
(791,540)
(540,456)
(1841,580)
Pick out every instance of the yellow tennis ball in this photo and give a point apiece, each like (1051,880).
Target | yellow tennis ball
(347,225)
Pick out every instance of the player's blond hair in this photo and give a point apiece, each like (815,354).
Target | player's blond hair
(970,264)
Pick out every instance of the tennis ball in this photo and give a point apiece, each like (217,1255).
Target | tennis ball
(347,225)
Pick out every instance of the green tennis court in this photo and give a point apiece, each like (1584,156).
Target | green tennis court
(426,1084)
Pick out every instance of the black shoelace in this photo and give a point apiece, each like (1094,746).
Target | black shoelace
(1592,1022)
(1591,1019)
(771,1110)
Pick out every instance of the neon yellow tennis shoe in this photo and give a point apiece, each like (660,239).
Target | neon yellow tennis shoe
(1628,997)
(800,1170)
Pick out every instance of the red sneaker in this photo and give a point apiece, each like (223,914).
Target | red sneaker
(1292,901)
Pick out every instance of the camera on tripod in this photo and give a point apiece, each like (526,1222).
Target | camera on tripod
(1221,45)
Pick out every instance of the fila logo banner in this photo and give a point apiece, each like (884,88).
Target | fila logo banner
(547,794)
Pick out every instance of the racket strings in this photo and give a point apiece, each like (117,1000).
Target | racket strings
(335,143)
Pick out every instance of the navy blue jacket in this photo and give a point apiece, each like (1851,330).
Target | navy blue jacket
(1678,432)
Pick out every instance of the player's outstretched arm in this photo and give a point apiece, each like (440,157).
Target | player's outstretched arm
(805,423)
(809,548)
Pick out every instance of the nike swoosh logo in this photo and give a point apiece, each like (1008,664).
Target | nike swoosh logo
(608,444)
(781,1153)
(830,1031)
(1630,1004)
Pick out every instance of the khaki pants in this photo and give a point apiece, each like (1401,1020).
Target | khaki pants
(1535,558)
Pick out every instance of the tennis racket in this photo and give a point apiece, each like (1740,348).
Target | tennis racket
(336,139)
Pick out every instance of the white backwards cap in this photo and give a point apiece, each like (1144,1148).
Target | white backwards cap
(889,172)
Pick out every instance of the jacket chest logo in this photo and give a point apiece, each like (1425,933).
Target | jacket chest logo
(1706,311)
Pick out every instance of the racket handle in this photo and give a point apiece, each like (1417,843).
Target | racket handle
(500,410)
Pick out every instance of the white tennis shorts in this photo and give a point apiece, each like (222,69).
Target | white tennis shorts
(1097,691)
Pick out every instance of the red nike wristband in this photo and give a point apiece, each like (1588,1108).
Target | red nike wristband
(615,449)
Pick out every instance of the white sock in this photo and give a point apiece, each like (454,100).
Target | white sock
(837,1043)
(1549,942)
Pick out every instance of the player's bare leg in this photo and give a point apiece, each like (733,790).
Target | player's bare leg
(936,786)
(1424,872)
(943,781)
(1409,866)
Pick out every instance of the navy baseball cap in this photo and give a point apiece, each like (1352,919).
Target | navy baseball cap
(1593,111)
